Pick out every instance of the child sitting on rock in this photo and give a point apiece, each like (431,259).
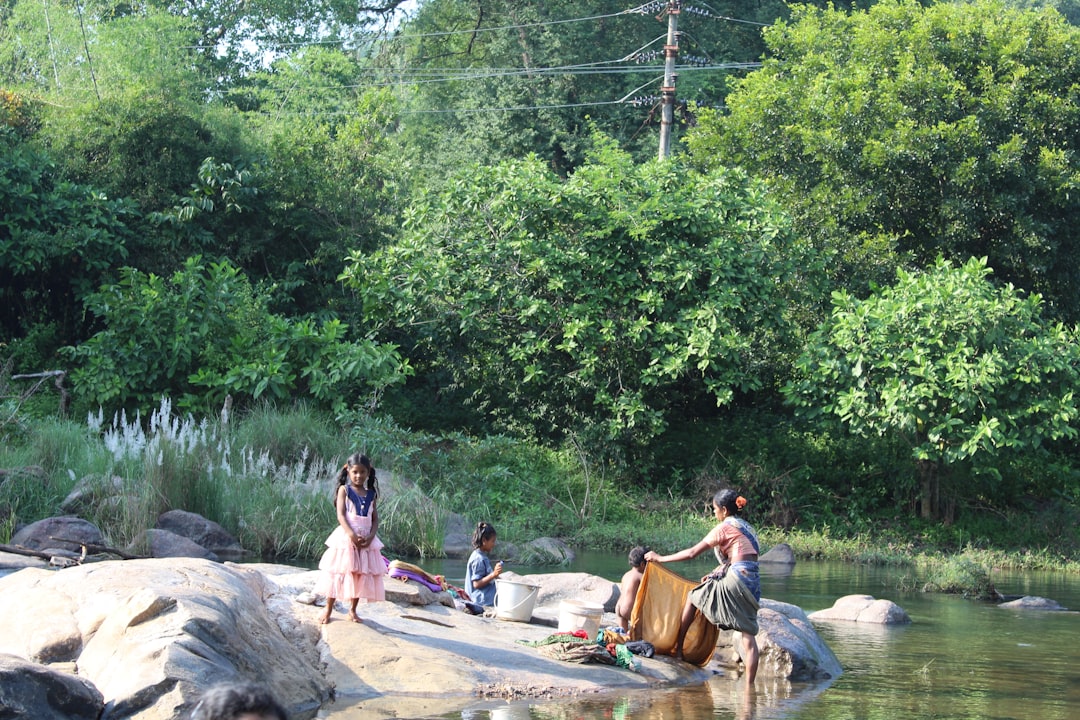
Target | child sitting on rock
(480,574)
(628,586)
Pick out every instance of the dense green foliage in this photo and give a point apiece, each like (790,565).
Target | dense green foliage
(58,240)
(205,334)
(903,133)
(963,371)
(304,202)
(595,306)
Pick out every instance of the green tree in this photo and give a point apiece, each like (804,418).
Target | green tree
(90,51)
(237,37)
(62,45)
(58,241)
(206,333)
(596,305)
(906,132)
(331,174)
(962,370)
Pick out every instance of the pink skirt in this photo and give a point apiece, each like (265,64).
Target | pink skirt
(351,572)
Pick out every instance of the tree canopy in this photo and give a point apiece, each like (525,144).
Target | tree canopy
(58,241)
(594,305)
(499,79)
(960,369)
(905,132)
(205,333)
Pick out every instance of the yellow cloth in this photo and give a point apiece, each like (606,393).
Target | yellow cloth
(657,610)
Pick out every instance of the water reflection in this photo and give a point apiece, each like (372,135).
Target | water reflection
(719,698)
(958,659)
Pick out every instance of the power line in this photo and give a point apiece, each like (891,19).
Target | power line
(516,108)
(448,111)
(521,26)
(446,33)
(363,36)
(390,78)
(714,15)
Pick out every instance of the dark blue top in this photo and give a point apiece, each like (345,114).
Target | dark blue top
(361,505)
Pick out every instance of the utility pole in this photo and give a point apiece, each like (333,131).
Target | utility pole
(667,92)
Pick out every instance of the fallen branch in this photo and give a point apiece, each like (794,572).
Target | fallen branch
(87,549)
(58,382)
(119,553)
(20,550)
(92,548)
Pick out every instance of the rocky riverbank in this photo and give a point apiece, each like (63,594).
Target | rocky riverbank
(142,638)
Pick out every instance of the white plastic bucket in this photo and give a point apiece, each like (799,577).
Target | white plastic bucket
(580,615)
(515,600)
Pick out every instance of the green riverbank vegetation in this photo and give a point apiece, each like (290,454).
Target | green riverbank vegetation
(439,232)
(267,476)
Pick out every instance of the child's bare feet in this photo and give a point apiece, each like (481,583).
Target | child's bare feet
(324,618)
(355,618)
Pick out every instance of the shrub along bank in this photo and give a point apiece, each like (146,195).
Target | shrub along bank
(265,477)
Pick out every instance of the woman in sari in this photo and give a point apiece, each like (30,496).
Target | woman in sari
(730,595)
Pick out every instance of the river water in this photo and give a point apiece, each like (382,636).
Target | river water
(958,659)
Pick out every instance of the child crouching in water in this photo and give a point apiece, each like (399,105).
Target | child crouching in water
(352,565)
(480,574)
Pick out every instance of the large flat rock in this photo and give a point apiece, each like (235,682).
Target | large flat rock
(150,634)
(409,660)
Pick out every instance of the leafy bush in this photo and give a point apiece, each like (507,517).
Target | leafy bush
(961,575)
(587,307)
(205,334)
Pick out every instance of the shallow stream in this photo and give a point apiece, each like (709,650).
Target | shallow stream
(958,659)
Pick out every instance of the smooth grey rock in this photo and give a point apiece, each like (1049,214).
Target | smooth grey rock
(165,544)
(788,645)
(92,491)
(864,609)
(205,532)
(10,562)
(547,551)
(1032,602)
(457,537)
(63,532)
(780,554)
(152,634)
(556,587)
(28,690)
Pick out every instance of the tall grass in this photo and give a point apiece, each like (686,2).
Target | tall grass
(274,498)
(412,523)
(960,575)
(36,477)
(268,477)
(284,434)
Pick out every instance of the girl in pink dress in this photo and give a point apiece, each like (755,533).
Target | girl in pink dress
(352,565)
